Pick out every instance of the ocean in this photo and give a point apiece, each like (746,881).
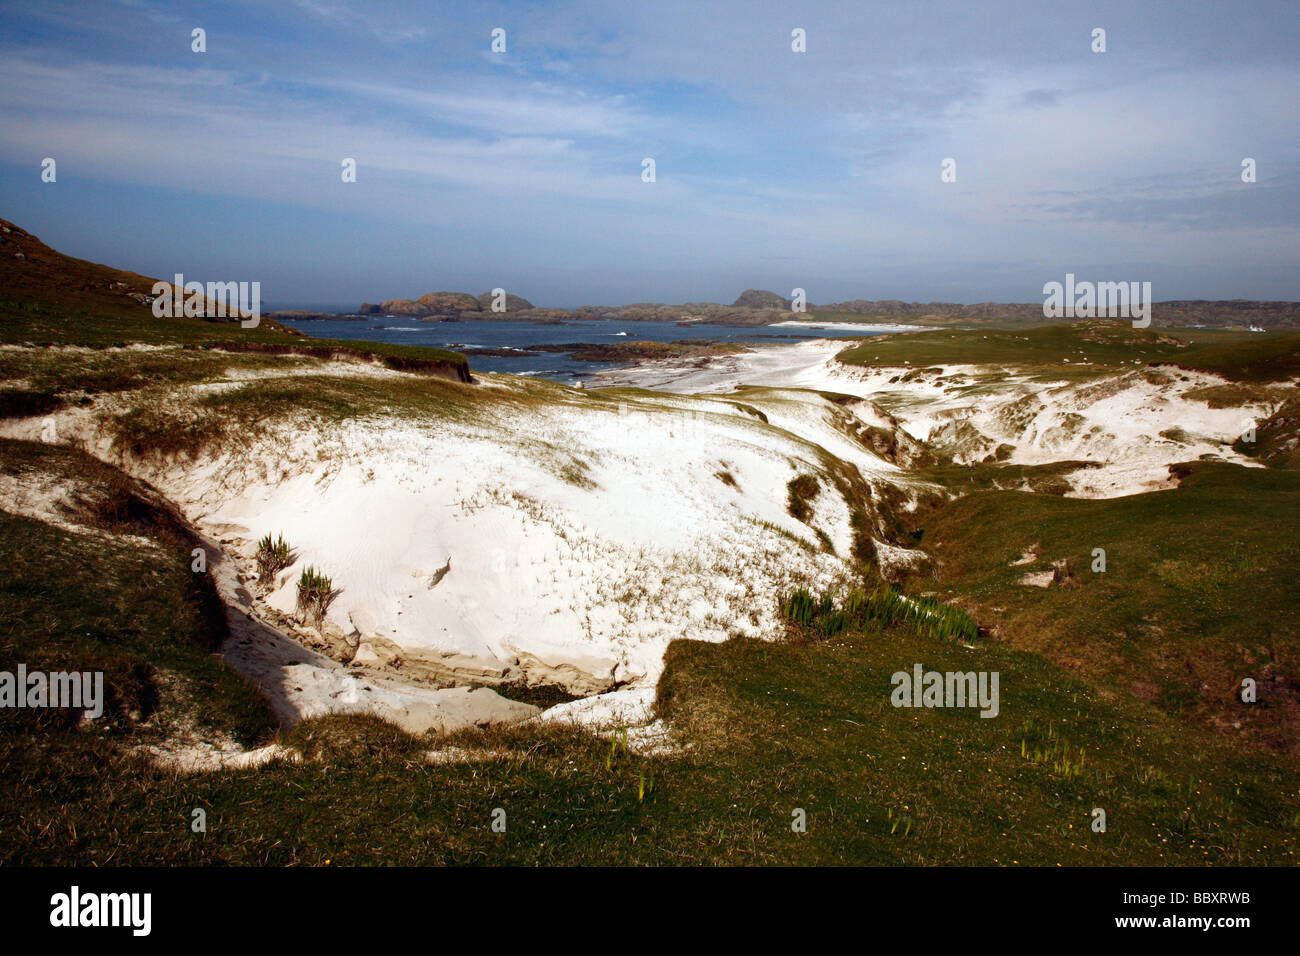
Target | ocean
(559,366)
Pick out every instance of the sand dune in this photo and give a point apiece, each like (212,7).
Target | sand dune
(568,541)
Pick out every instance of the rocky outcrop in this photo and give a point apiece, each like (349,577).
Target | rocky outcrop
(514,303)
(402,307)
(448,303)
(761,299)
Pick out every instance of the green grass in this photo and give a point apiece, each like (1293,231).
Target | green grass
(1101,342)
(1251,357)
(775,727)
(45,379)
(315,594)
(40,380)
(772,727)
(1048,478)
(884,606)
(1107,345)
(273,556)
(93,600)
(47,374)
(97,324)
(152,424)
(1198,590)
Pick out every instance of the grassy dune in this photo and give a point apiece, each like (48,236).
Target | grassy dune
(1106,345)
(112,589)
(50,299)
(805,723)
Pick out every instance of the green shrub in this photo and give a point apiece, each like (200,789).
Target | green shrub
(272,557)
(315,595)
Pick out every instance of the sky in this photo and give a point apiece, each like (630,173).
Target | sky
(774,169)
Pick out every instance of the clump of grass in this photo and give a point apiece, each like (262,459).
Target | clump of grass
(148,432)
(578,473)
(799,607)
(882,607)
(273,556)
(802,490)
(315,594)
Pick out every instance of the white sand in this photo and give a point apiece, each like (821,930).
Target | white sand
(871,327)
(1116,422)
(572,541)
(579,539)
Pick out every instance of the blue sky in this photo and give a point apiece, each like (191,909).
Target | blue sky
(775,169)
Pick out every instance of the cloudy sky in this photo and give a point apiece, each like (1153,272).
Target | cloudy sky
(774,169)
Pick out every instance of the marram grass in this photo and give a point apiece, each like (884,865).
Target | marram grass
(315,594)
(881,607)
(273,556)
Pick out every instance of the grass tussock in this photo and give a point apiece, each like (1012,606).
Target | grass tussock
(315,595)
(272,557)
(881,608)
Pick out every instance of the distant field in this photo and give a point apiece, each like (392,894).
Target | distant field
(1103,344)
(921,321)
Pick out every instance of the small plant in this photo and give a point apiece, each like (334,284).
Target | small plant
(645,787)
(315,594)
(618,739)
(903,820)
(272,557)
(798,608)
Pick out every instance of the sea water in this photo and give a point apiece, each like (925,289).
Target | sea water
(490,334)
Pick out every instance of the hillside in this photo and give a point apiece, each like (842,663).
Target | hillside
(50,299)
